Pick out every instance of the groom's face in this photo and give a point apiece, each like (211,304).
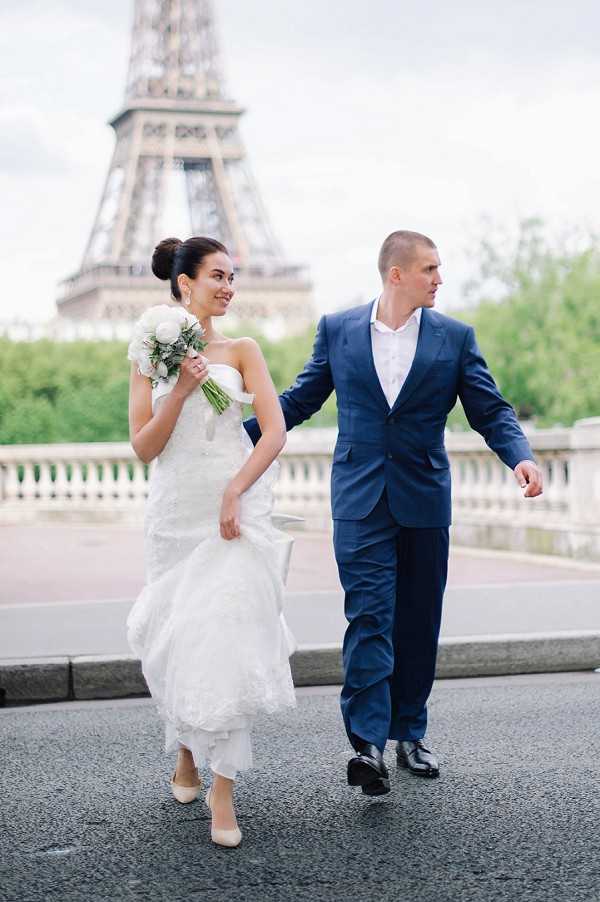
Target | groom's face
(421,279)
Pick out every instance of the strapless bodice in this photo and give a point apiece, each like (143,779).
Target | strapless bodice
(227,376)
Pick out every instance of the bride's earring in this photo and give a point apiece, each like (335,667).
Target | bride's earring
(187,299)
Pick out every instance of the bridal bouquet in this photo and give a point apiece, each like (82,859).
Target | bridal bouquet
(162,338)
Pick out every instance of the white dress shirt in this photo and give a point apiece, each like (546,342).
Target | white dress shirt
(394,351)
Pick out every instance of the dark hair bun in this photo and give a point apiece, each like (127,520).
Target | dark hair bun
(163,257)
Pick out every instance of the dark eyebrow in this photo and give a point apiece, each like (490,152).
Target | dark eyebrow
(221,271)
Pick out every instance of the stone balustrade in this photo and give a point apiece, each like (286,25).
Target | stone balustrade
(106,482)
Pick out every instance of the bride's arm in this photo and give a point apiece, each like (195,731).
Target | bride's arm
(149,434)
(257,380)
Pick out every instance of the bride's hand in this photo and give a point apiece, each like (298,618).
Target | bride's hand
(229,520)
(192,372)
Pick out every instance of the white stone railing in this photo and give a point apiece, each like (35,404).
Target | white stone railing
(106,482)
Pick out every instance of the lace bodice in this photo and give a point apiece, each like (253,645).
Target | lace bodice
(204,452)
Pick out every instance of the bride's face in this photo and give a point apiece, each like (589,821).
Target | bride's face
(212,289)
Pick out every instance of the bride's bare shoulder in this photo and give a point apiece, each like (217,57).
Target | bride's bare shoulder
(245,342)
(246,345)
(247,351)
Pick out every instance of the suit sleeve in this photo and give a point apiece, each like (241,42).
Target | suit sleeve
(310,390)
(486,410)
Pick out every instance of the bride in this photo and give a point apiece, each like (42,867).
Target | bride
(208,624)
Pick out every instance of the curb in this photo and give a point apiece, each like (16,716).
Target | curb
(86,677)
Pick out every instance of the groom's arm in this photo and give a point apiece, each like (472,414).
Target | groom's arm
(310,390)
(487,411)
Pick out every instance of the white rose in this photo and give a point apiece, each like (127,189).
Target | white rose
(145,366)
(162,370)
(192,320)
(168,332)
(135,348)
(160,313)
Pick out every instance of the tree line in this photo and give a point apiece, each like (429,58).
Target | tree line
(77,391)
(535,309)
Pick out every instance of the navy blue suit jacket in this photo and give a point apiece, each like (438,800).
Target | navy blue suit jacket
(401,448)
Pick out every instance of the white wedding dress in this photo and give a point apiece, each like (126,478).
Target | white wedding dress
(208,625)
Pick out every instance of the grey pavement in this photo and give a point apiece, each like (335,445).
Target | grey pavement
(88,814)
(66,590)
(43,564)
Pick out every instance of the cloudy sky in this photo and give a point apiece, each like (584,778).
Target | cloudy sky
(362,118)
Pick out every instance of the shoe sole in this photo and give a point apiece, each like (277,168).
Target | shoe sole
(362,774)
(379,787)
(430,774)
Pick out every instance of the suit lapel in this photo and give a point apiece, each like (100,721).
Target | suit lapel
(358,332)
(429,343)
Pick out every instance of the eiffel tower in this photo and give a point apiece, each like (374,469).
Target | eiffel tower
(178,148)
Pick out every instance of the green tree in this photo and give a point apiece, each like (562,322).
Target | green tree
(78,391)
(63,391)
(286,358)
(535,307)
(31,421)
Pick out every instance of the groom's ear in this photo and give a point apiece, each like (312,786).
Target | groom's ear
(394,275)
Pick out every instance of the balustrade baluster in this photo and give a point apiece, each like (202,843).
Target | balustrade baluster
(62,486)
(28,484)
(77,486)
(45,484)
(93,483)
(11,485)
(138,486)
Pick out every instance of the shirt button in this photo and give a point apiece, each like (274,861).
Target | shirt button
(390,455)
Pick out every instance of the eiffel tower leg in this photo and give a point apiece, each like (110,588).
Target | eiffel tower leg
(131,155)
(261,243)
(146,203)
(107,234)
(97,245)
(212,205)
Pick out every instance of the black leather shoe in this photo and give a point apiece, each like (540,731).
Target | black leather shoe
(368,771)
(418,759)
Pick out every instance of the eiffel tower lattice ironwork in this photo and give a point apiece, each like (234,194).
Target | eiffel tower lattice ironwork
(178,128)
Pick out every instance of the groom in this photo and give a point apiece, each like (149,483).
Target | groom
(397,368)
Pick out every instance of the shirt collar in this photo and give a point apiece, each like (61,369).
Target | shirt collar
(381,327)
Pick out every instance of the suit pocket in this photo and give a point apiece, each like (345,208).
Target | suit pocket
(438,458)
(341,452)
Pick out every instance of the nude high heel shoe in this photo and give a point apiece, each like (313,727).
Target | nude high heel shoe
(185,794)
(229,838)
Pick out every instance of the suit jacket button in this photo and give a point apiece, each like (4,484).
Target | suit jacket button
(390,456)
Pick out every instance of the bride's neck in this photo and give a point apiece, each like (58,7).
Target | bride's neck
(209,332)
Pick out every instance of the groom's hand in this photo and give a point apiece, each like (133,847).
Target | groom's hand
(529,477)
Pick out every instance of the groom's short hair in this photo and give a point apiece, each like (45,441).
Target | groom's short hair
(399,249)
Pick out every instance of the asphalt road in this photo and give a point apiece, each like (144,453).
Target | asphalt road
(88,815)
(315,618)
